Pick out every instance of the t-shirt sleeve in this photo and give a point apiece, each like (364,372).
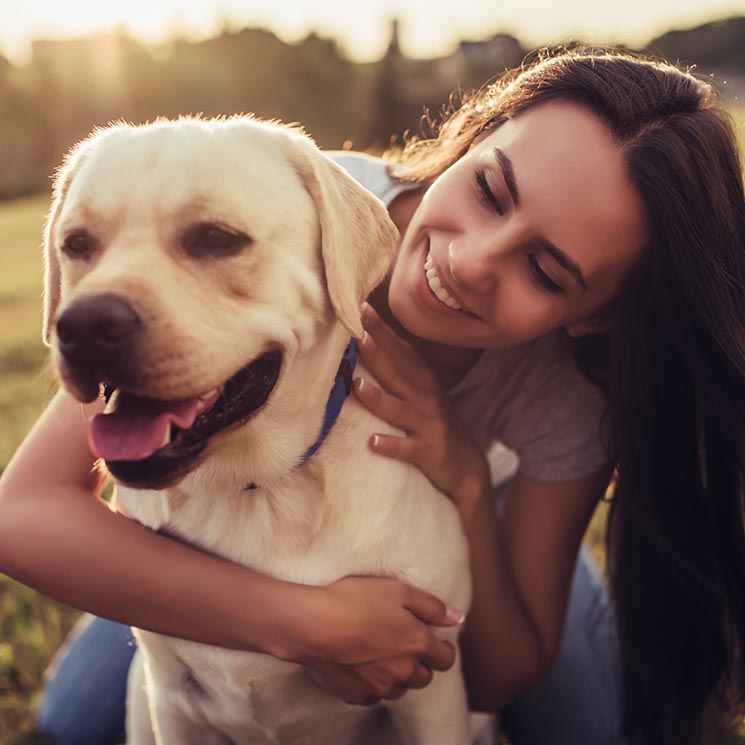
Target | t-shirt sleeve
(557,428)
(538,404)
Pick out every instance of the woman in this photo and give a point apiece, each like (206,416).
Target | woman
(589,208)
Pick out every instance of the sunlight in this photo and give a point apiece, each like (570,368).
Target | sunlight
(428,27)
(145,18)
(150,20)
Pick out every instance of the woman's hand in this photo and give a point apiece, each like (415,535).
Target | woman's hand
(412,399)
(371,682)
(369,638)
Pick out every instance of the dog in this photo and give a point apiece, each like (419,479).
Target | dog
(208,275)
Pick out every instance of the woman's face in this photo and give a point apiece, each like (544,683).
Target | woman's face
(533,229)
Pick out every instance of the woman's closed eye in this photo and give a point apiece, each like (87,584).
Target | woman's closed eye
(489,199)
(541,278)
(486,194)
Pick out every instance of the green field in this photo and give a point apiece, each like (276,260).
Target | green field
(32,627)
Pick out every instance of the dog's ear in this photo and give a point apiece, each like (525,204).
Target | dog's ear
(52,275)
(358,238)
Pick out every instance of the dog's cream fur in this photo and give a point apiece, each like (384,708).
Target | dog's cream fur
(320,244)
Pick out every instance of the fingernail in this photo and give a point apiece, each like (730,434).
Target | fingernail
(454,615)
(367,311)
(365,341)
(375,440)
(359,384)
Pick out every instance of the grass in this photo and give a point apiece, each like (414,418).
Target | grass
(31,626)
(26,385)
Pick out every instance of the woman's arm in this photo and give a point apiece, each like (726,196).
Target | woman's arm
(58,538)
(522,557)
(522,560)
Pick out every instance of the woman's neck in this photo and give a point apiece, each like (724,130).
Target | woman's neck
(450,364)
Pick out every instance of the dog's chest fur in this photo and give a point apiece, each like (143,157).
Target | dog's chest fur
(319,523)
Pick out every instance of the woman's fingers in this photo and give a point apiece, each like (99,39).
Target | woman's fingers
(390,359)
(400,653)
(401,448)
(386,338)
(384,368)
(370,683)
(421,677)
(396,693)
(344,683)
(387,407)
(440,655)
(431,610)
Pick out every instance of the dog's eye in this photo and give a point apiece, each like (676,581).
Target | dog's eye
(212,240)
(78,245)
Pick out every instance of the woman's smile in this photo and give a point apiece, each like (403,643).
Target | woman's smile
(479,265)
(437,286)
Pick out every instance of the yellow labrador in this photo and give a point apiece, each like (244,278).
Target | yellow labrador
(210,273)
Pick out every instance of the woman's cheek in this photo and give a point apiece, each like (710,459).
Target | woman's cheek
(524,315)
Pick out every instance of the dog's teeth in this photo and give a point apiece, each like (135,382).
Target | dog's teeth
(166,435)
(111,403)
(204,398)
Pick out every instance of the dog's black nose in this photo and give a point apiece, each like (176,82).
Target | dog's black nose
(93,329)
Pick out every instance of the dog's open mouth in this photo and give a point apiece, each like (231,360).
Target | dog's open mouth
(150,442)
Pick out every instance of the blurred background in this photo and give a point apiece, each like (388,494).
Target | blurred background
(356,75)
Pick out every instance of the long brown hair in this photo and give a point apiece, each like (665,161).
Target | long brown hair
(674,370)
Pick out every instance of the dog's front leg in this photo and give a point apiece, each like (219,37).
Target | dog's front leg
(162,699)
(437,714)
(139,726)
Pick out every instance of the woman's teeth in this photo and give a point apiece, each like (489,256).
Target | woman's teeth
(436,286)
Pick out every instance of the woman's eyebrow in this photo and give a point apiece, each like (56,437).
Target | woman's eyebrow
(563,260)
(508,172)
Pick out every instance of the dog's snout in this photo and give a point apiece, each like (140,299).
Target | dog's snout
(96,327)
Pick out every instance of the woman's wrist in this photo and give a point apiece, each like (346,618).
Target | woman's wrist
(474,486)
(286,629)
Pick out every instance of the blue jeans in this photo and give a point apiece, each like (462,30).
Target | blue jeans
(577,704)
(86,685)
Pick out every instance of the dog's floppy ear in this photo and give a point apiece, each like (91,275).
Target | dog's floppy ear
(52,275)
(358,238)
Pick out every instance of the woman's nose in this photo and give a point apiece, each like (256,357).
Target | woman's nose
(476,264)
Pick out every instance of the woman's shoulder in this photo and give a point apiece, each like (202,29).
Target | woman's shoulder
(370,172)
(535,400)
(539,366)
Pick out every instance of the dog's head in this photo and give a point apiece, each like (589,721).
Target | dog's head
(187,262)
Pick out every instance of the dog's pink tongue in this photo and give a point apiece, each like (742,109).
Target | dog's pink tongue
(136,427)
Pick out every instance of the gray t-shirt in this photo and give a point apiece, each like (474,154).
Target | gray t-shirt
(528,404)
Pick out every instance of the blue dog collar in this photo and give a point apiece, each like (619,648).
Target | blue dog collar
(339,392)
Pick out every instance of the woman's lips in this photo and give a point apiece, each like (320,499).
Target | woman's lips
(436,283)
(427,295)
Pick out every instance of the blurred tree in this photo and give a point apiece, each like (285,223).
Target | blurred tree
(711,46)
(69,87)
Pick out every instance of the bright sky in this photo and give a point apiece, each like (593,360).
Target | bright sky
(428,27)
